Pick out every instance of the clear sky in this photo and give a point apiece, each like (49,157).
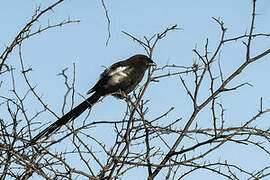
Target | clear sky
(84,44)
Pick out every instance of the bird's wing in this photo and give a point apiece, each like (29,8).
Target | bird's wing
(111,76)
(116,67)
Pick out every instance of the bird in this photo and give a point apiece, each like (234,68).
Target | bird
(118,80)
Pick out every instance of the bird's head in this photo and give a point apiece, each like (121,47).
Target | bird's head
(145,60)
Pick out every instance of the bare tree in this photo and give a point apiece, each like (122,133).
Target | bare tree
(138,142)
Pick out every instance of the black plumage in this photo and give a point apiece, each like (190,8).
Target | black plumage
(118,80)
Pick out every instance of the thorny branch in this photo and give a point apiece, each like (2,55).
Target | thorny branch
(108,21)
(25,33)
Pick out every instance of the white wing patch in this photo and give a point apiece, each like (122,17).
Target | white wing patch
(120,70)
(117,75)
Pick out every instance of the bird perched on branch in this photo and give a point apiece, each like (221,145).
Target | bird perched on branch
(118,80)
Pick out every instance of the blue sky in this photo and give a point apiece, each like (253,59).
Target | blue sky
(84,44)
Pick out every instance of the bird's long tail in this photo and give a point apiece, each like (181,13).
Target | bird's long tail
(71,115)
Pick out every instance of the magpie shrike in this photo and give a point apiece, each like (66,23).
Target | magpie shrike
(118,80)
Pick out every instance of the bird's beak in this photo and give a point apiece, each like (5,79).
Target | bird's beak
(152,63)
